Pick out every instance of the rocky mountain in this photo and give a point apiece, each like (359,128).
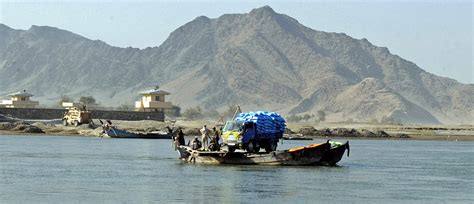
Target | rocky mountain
(260,60)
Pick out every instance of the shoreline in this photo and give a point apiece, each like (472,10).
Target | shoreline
(459,138)
(309,130)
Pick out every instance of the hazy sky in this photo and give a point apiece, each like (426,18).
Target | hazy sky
(436,35)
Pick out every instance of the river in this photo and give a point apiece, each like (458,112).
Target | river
(65,169)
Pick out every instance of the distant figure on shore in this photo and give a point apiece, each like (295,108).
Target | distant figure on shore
(196,144)
(205,137)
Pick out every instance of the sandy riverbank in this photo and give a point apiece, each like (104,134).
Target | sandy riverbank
(319,131)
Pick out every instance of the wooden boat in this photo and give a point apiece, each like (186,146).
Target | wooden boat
(335,153)
(301,156)
(118,133)
(114,132)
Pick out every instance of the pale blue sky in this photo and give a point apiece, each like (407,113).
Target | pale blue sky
(436,35)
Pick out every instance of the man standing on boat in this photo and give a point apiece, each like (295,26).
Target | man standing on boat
(205,137)
(180,137)
(214,144)
(216,136)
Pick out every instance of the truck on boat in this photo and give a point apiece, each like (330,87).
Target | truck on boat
(254,130)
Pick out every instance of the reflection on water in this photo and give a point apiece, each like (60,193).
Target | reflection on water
(58,169)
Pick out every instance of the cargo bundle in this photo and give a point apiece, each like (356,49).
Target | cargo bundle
(267,122)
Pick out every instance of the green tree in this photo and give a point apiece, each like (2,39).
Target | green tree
(87,100)
(193,113)
(175,111)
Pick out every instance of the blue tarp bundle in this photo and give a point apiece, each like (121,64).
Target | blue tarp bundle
(267,122)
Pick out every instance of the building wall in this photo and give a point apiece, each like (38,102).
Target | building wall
(156,104)
(162,98)
(153,98)
(18,103)
(20,98)
(47,114)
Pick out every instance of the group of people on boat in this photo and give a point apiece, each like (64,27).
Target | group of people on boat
(208,142)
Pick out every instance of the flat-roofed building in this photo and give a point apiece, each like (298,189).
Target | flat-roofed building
(153,100)
(21,99)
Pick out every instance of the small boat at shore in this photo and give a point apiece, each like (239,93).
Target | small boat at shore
(114,132)
(301,156)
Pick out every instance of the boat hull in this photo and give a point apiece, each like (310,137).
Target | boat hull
(118,133)
(303,156)
(334,155)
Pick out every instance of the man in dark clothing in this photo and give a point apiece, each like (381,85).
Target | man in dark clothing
(216,136)
(196,144)
(214,146)
(181,137)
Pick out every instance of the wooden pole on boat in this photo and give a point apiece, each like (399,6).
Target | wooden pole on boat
(237,111)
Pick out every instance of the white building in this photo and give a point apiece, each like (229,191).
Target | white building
(19,99)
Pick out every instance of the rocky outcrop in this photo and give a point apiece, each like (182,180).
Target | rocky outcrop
(344,132)
(20,126)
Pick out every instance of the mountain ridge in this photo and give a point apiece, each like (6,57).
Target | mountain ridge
(261,60)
